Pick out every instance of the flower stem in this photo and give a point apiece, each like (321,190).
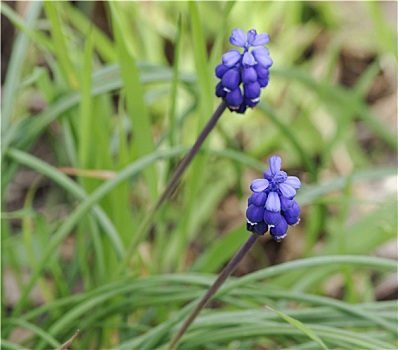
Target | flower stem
(191,154)
(233,263)
(143,229)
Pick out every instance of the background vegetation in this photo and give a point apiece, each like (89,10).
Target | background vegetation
(99,103)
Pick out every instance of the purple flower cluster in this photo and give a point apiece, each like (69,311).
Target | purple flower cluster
(272,203)
(250,68)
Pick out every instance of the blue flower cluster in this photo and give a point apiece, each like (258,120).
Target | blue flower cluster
(272,203)
(250,68)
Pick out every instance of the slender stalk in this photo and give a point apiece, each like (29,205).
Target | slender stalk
(171,186)
(233,263)
(191,154)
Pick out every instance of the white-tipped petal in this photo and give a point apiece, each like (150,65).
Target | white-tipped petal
(231,58)
(275,163)
(273,202)
(293,181)
(261,39)
(259,185)
(238,37)
(287,190)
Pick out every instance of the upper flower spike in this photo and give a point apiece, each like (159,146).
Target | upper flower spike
(250,68)
(272,204)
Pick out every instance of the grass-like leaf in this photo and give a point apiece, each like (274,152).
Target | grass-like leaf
(60,44)
(142,143)
(14,72)
(300,326)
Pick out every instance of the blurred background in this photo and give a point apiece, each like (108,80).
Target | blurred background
(101,100)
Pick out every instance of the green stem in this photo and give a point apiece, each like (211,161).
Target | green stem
(191,154)
(233,263)
(171,186)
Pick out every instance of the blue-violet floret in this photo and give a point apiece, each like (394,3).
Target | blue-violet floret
(272,203)
(249,68)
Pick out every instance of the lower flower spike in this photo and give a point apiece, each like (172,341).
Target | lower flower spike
(272,203)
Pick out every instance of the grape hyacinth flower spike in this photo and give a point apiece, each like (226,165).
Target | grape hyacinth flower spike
(243,74)
(272,203)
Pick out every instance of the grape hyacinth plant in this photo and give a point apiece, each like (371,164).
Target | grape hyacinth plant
(242,75)
(250,69)
(271,205)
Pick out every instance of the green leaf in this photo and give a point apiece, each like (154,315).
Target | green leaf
(52,10)
(142,143)
(74,218)
(72,188)
(86,117)
(174,85)
(300,326)
(102,43)
(14,71)
(220,251)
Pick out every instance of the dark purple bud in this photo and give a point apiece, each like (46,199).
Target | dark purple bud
(279,231)
(234,98)
(252,90)
(286,203)
(261,228)
(220,70)
(272,218)
(263,82)
(258,198)
(249,75)
(262,71)
(292,214)
(254,213)
(291,220)
(220,92)
(250,226)
(231,79)
(251,103)
(241,109)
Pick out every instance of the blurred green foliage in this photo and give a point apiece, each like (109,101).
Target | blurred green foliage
(123,89)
